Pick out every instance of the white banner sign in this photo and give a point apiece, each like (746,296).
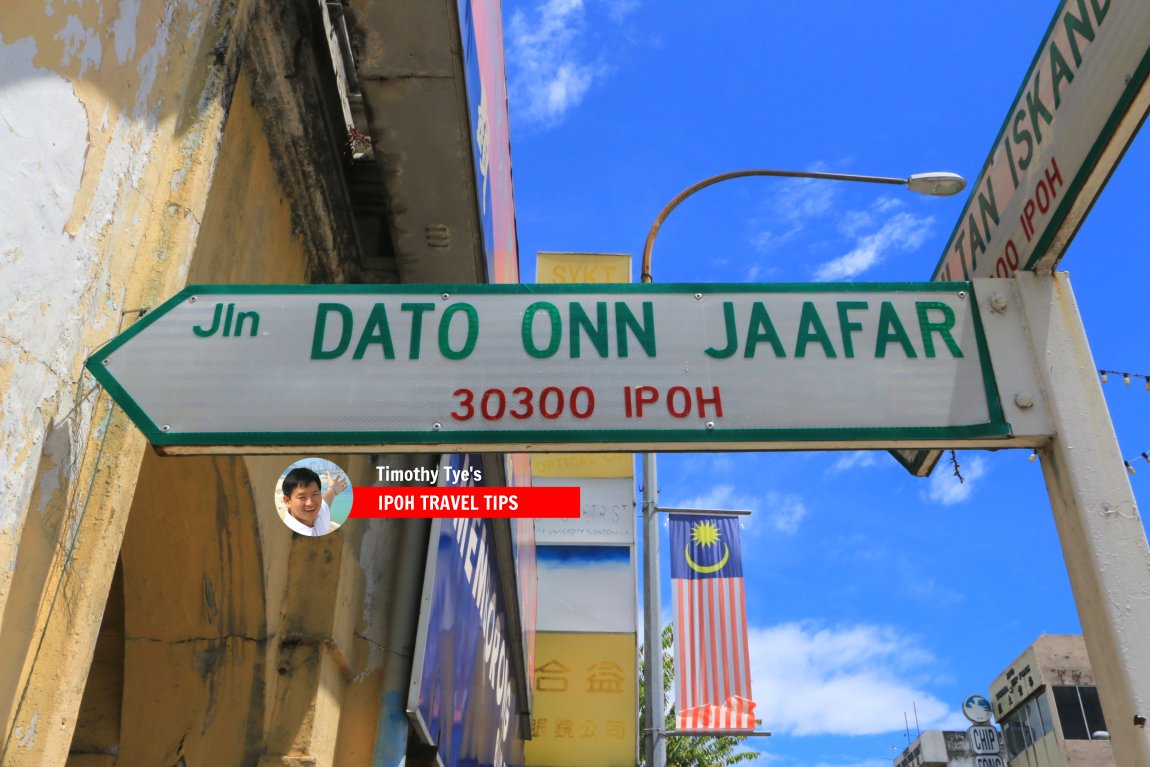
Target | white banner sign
(606,512)
(274,368)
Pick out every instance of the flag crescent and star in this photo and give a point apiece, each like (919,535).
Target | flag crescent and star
(706,534)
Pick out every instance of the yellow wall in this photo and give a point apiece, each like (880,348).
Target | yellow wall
(247,234)
(218,638)
(115,111)
(239,640)
(155,610)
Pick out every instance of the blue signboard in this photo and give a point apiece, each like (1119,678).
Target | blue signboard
(462,698)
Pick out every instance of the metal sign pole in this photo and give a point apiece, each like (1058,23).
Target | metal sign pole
(654,744)
(1103,537)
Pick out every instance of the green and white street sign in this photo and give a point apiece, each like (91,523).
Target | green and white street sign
(250,368)
(1078,108)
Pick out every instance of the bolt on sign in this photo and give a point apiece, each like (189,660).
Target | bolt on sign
(229,368)
(1078,108)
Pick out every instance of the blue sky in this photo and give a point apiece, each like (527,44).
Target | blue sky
(872,593)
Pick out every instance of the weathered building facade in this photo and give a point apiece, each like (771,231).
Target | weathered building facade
(154,610)
(1047,702)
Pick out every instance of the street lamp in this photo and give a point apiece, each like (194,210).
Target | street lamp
(940,184)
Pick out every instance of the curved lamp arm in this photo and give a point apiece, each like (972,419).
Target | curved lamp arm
(938,184)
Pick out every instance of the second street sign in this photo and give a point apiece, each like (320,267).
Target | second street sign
(234,368)
(1078,108)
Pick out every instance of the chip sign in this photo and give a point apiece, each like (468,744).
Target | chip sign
(984,739)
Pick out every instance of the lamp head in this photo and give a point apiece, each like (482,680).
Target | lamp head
(940,184)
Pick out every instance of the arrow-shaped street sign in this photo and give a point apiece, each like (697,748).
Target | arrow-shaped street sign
(266,368)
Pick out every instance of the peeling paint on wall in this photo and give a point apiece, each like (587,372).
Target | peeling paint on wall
(101,105)
(26,738)
(36,193)
(81,205)
(121,180)
(124,30)
(80,43)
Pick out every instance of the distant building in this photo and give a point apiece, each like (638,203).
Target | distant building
(935,748)
(1048,707)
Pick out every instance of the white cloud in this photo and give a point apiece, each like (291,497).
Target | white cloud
(796,203)
(855,221)
(886,204)
(721,463)
(781,511)
(850,680)
(858,459)
(929,591)
(619,10)
(722,496)
(786,512)
(883,227)
(549,76)
(945,488)
(804,199)
(903,231)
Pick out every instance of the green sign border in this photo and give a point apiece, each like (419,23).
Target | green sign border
(995,427)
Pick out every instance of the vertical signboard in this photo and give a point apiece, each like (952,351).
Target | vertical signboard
(585,693)
(462,698)
(585,690)
(481,33)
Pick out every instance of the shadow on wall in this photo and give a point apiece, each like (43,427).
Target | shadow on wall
(193,621)
(46,536)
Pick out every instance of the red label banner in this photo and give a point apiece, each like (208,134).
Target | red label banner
(402,502)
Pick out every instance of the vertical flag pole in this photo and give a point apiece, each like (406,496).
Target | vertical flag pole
(654,745)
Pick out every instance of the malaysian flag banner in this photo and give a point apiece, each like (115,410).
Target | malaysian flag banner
(713,689)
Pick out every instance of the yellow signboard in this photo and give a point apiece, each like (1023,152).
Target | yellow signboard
(583,465)
(586,701)
(582,268)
